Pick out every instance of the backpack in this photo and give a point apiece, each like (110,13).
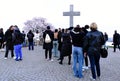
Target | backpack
(47,38)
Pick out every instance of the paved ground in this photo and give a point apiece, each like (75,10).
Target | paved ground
(35,68)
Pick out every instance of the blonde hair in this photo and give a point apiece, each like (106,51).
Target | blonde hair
(93,26)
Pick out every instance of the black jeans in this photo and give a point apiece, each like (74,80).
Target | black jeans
(62,57)
(94,62)
(31,45)
(46,53)
(115,46)
(7,51)
(86,60)
(1,44)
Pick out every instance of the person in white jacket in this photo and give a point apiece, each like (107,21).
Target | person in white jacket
(37,38)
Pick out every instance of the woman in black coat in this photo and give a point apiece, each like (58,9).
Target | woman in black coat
(92,44)
(66,49)
(9,41)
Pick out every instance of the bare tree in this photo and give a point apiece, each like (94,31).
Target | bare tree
(37,23)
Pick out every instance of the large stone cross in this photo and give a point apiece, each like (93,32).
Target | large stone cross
(71,14)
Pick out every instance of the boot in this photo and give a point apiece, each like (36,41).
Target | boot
(69,60)
(60,62)
(69,63)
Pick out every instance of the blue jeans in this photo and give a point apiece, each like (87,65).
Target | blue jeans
(94,62)
(55,48)
(24,43)
(31,44)
(77,58)
(18,51)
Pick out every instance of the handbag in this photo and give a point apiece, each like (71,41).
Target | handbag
(104,51)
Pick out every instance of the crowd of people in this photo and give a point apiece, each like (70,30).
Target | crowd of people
(80,43)
(13,40)
(75,42)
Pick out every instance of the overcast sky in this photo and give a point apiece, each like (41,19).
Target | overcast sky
(105,13)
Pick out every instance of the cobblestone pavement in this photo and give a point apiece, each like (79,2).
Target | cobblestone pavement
(34,67)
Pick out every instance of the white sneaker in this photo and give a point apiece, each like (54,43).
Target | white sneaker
(14,57)
(47,59)
(89,66)
(5,58)
(92,79)
(83,69)
(2,50)
(51,60)
(86,67)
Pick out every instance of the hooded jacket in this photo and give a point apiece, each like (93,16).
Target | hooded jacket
(77,38)
(17,37)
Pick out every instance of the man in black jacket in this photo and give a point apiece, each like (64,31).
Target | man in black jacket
(116,40)
(30,36)
(48,46)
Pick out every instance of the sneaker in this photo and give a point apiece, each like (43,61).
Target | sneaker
(60,63)
(83,67)
(2,50)
(20,59)
(83,70)
(86,67)
(14,57)
(69,63)
(51,60)
(92,79)
(47,59)
(5,58)
(89,66)
(98,77)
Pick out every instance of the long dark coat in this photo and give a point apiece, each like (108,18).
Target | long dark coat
(59,40)
(9,39)
(66,49)
(1,37)
(48,45)
(116,38)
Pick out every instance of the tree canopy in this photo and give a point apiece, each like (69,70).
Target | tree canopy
(37,24)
